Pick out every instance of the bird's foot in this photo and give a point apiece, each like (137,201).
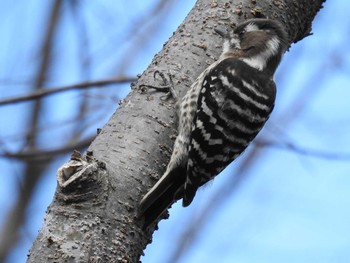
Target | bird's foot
(167,85)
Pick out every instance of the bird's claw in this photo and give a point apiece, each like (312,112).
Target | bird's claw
(167,85)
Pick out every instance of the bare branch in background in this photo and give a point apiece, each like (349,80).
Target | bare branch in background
(289,146)
(39,93)
(85,65)
(139,34)
(32,171)
(45,155)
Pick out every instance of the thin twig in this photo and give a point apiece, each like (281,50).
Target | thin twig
(39,93)
(149,22)
(289,146)
(38,155)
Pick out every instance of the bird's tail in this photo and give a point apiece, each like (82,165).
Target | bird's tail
(163,194)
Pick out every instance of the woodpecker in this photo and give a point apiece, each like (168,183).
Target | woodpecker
(221,113)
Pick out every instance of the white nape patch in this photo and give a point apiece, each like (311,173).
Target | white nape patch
(230,44)
(225,46)
(251,27)
(235,42)
(259,61)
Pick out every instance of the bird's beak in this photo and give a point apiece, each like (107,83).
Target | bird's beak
(222,33)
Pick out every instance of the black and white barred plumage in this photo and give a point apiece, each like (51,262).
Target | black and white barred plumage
(221,114)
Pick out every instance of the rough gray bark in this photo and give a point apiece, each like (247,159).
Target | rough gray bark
(93,215)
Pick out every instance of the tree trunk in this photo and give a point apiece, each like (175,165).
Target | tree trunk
(92,217)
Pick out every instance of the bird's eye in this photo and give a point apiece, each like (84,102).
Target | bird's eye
(242,32)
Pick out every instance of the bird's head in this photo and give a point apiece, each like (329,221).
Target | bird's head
(258,42)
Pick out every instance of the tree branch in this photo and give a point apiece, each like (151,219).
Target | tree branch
(289,146)
(38,155)
(42,92)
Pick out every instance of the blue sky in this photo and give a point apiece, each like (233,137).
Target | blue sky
(290,207)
